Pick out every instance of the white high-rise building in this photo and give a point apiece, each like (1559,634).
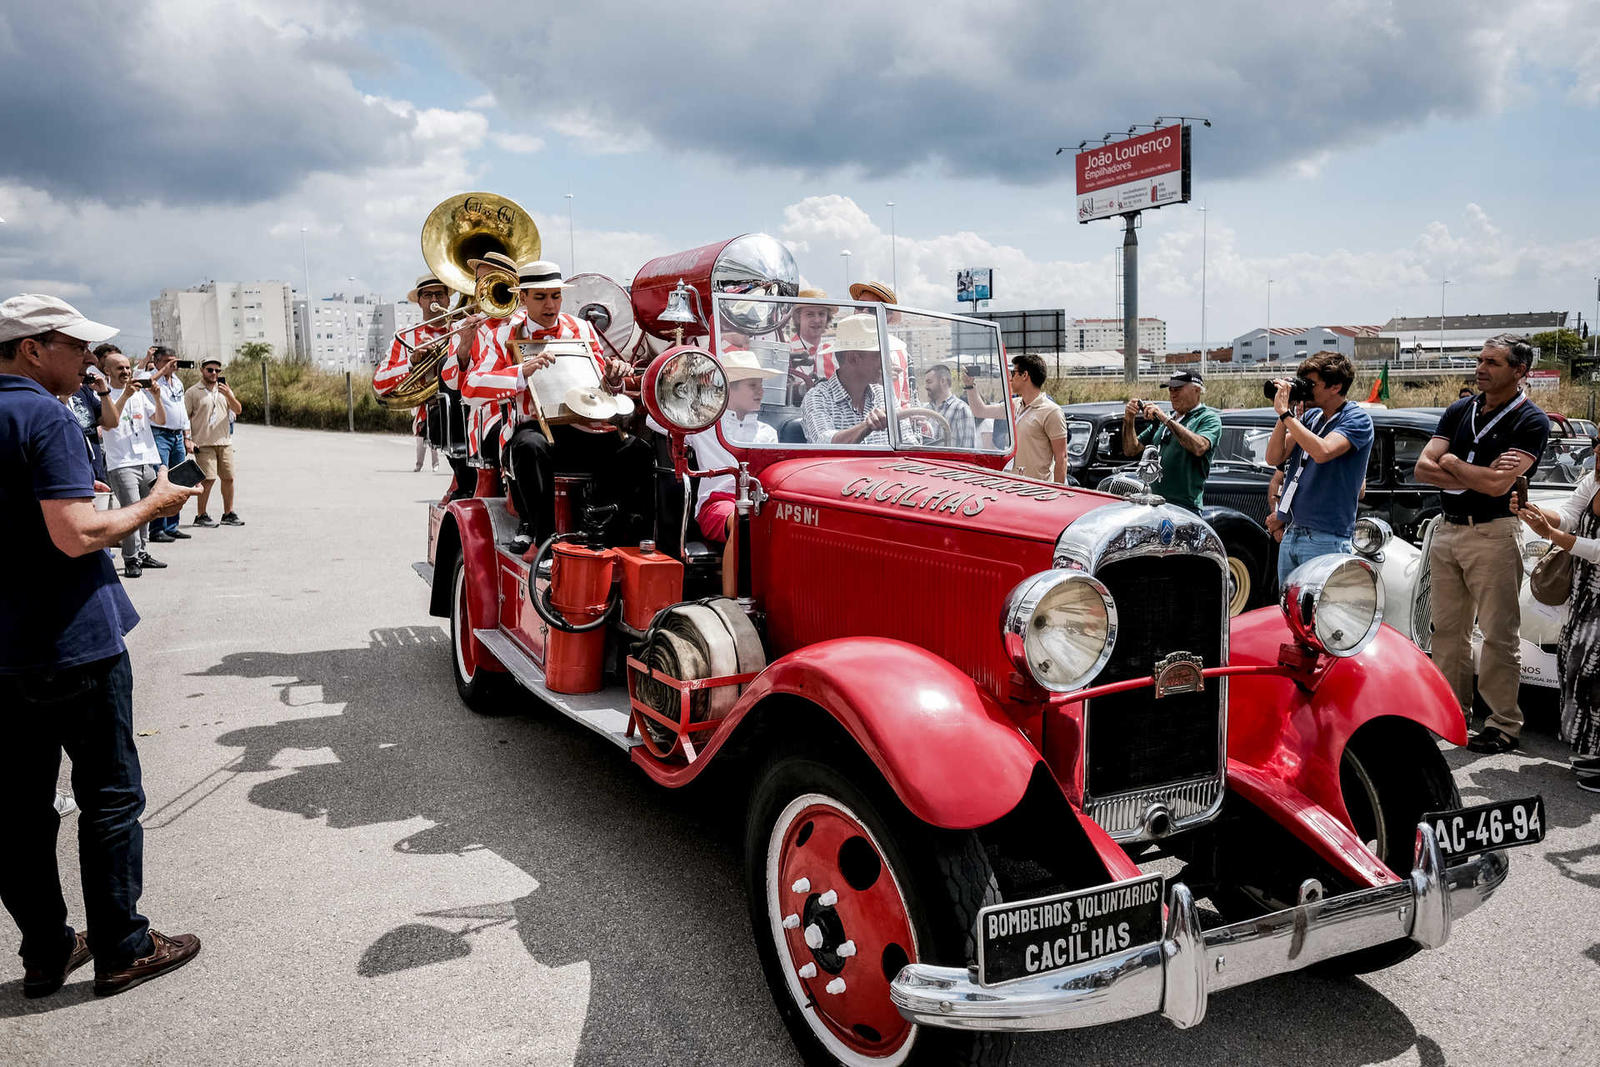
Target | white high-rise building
(350,330)
(213,320)
(1105,335)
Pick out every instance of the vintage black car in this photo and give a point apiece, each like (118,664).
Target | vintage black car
(1094,453)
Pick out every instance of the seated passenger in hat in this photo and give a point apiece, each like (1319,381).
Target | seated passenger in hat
(740,424)
(848,409)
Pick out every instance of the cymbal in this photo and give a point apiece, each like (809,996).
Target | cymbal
(590,403)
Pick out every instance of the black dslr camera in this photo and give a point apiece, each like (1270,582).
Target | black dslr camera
(1299,390)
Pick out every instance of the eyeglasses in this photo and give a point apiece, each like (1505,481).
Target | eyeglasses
(73,343)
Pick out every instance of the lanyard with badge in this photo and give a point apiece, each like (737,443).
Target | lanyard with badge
(1478,435)
(1325,427)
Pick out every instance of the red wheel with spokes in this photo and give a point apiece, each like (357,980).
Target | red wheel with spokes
(846,888)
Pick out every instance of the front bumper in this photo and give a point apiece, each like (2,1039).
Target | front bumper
(1177,975)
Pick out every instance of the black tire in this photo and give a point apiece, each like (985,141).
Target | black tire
(1389,777)
(482,691)
(943,878)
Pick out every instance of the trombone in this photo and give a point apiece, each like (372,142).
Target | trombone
(467,226)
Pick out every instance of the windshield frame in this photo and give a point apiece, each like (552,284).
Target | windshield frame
(881,312)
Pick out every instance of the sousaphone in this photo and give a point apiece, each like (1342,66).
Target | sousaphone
(465,227)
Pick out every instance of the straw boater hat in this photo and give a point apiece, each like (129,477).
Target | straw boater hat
(494,259)
(856,333)
(813,294)
(540,274)
(423,282)
(863,290)
(740,365)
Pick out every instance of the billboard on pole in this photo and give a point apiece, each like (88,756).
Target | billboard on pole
(1143,172)
(975,284)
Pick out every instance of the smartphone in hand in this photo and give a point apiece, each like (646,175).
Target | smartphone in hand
(186,474)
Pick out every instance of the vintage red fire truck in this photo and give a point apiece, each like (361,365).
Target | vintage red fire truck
(976,710)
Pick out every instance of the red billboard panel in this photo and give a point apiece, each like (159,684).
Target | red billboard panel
(1151,170)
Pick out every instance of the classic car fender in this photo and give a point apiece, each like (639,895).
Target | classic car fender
(1246,538)
(1297,737)
(944,746)
(466,532)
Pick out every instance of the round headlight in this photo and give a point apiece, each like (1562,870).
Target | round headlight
(1334,603)
(1060,627)
(1370,535)
(1533,550)
(686,389)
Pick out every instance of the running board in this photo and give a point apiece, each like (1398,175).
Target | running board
(424,571)
(597,711)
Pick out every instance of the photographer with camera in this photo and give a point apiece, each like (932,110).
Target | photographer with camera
(1326,439)
(1185,438)
(132,459)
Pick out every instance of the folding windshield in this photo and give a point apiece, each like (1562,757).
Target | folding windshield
(832,374)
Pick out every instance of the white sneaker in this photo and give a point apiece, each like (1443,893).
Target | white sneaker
(65,805)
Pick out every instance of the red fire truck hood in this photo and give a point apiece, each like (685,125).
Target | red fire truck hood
(935,491)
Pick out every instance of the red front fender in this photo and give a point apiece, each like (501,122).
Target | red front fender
(475,533)
(1298,737)
(947,750)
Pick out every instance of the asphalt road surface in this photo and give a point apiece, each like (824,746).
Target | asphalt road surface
(381,876)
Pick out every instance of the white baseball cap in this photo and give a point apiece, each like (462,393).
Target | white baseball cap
(31,314)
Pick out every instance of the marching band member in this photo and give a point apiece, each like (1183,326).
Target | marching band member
(433,296)
(498,377)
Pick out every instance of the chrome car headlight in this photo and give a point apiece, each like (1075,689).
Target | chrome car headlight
(1533,550)
(1060,627)
(1370,536)
(1334,603)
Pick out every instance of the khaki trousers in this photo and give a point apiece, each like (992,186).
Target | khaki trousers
(1476,577)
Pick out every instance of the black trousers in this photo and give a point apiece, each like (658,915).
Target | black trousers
(620,465)
(88,711)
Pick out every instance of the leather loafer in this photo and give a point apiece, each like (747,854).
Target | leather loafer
(178,535)
(39,982)
(131,569)
(166,954)
(1491,739)
(160,538)
(149,562)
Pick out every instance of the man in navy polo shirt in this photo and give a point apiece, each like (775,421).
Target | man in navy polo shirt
(1483,444)
(65,680)
(1327,447)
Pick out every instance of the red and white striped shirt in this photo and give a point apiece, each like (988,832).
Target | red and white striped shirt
(394,367)
(494,375)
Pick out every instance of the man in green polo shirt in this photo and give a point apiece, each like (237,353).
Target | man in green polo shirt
(1185,437)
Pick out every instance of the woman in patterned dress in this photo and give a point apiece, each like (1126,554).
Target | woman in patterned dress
(1575,527)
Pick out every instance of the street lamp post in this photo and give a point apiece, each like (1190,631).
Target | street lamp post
(1269,318)
(572,241)
(1442,283)
(894,254)
(305,262)
(845,255)
(1204,218)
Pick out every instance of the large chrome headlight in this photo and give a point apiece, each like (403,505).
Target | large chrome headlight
(685,389)
(1533,550)
(1334,604)
(1370,536)
(1060,626)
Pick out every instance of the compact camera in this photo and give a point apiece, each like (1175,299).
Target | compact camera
(1299,390)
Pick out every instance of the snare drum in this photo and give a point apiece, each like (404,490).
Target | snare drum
(574,368)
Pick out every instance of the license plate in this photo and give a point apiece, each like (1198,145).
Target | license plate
(1488,826)
(1032,937)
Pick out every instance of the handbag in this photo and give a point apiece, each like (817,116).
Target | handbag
(1551,580)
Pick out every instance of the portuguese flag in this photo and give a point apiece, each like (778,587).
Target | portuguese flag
(1380,388)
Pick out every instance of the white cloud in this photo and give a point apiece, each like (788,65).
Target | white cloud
(523,144)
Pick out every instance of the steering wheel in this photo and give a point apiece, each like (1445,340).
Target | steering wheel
(927,413)
(546,610)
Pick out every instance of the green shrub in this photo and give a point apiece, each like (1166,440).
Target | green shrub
(306,397)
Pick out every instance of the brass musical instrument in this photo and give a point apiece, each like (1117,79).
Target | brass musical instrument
(465,227)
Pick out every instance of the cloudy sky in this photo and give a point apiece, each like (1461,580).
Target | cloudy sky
(1360,151)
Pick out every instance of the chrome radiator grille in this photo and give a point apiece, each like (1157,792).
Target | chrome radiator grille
(1139,749)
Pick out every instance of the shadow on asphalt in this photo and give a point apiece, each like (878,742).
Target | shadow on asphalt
(644,884)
